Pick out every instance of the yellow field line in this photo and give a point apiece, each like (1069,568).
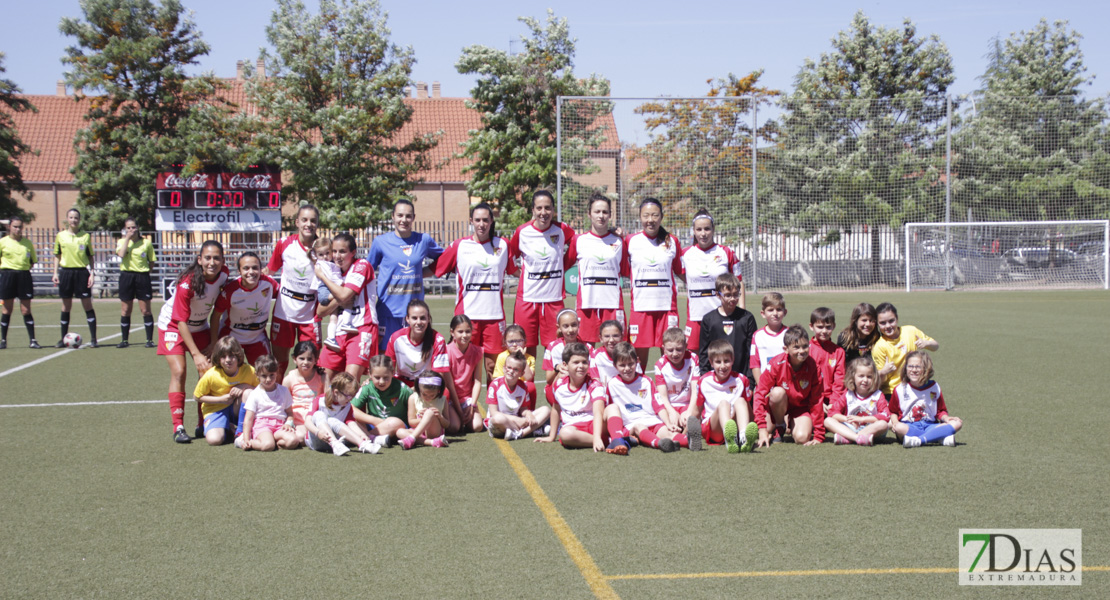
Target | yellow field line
(818,572)
(586,565)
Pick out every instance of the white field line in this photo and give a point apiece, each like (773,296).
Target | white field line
(57,354)
(161,401)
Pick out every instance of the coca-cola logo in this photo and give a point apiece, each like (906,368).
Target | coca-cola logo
(196,182)
(256,182)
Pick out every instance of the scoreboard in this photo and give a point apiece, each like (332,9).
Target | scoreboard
(218,199)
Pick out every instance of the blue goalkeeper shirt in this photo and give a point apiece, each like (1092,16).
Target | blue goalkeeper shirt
(399,267)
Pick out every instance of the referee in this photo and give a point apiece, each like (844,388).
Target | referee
(17,256)
(74,274)
(136,260)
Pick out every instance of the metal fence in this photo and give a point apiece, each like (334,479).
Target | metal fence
(816,193)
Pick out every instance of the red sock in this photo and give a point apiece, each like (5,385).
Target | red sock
(648,438)
(177,409)
(682,440)
(531,387)
(615,425)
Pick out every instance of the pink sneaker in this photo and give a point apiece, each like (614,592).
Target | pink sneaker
(863,440)
(408,443)
(841,440)
(440,442)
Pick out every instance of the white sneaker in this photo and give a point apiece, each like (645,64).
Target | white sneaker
(368,447)
(331,343)
(512,434)
(949,441)
(383,440)
(239,442)
(338,448)
(911,441)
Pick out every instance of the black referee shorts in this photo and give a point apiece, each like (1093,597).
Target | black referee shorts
(16,284)
(74,283)
(135,285)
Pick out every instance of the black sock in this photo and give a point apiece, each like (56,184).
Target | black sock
(90,317)
(148,324)
(65,323)
(29,323)
(125,327)
(5,320)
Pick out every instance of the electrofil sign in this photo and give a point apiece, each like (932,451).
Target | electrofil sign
(218,199)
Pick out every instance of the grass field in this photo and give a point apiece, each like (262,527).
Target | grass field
(96,501)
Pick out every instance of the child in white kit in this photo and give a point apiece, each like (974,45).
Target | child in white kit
(269,411)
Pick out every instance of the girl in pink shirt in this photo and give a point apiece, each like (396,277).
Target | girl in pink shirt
(462,414)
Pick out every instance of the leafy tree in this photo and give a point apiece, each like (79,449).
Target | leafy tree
(132,55)
(11,148)
(515,151)
(858,140)
(1035,148)
(700,152)
(332,109)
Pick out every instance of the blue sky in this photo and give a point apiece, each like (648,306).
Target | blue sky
(658,47)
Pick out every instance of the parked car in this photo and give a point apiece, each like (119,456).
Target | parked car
(1024,263)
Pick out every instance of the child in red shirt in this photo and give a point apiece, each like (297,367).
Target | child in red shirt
(791,386)
(828,356)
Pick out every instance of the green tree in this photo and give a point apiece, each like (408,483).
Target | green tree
(1034,148)
(128,64)
(12,148)
(859,136)
(333,106)
(515,151)
(700,153)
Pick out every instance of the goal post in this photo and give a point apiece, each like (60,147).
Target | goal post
(1007,255)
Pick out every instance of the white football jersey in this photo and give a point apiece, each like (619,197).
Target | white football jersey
(511,402)
(540,255)
(602,368)
(246,312)
(679,380)
(599,270)
(702,268)
(364,310)
(634,401)
(191,308)
(765,346)
(297,296)
(711,393)
(652,264)
(576,405)
(919,404)
(481,269)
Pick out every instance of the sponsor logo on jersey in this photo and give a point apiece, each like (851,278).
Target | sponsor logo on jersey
(406,267)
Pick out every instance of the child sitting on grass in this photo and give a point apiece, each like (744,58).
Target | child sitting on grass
(222,388)
(861,414)
(630,411)
(791,387)
(512,410)
(722,401)
(577,403)
(675,374)
(268,424)
(426,417)
(921,417)
(332,420)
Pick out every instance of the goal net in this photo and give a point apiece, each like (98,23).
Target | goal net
(1028,254)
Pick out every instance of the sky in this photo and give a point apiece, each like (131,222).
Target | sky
(648,48)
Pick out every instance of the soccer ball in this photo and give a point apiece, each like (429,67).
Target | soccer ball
(72,340)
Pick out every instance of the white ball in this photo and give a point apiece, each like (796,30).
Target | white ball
(72,340)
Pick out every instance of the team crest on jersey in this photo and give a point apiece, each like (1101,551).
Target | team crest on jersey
(642,393)
(803,383)
(728,328)
(407,250)
(717,259)
(832,362)
(554,238)
(497,251)
(633,331)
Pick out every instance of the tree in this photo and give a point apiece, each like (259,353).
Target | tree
(515,151)
(332,109)
(1035,148)
(12,148)
(133,54)
(858,140)
(700,152)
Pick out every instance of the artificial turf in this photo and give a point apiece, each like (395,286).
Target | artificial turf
(96,501)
